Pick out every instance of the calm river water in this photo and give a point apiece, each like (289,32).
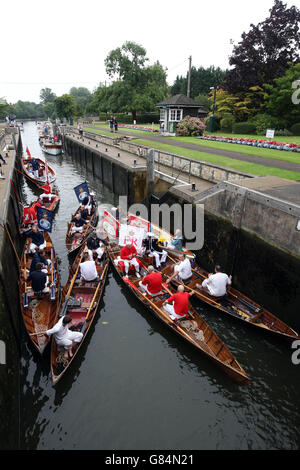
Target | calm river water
(136,385)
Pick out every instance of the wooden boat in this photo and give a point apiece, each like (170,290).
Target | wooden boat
(39,314)
(76,240)
(52,148)
(51,203)
(235,304)
(42,176)
(195,330)
(79,299)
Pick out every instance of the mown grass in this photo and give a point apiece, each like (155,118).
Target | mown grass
(239,165)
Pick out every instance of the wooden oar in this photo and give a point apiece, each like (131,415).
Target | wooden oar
(52,294)
(12,243)
(93,300)
(65,305)
(25,299)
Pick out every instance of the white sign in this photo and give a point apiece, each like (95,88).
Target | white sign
(129,233)
(270,133)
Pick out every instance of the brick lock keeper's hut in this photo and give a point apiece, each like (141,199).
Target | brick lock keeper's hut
(176,108)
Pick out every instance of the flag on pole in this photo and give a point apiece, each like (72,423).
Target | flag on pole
(139,222)
(81,191)
(28,153)
(110,224)
(45,218)
(134,235)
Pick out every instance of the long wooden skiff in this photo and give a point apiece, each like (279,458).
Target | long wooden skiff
(235,304)
(79,299)
(194,330)
(76,240)
(42,175)
(39,314)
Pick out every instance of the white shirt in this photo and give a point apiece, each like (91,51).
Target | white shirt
(88,270)
(184,269)
(217,283)
(59,330)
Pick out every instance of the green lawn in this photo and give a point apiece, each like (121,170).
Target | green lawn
(223,161)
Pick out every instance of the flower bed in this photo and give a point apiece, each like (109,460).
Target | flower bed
(270,144)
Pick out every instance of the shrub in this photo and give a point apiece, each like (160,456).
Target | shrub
(190,126)
(295,129)
(264,121)
(243,128)
(284,132)
(227,122)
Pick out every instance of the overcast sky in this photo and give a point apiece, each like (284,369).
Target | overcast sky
(63,43)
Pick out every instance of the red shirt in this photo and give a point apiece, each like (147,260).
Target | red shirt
(127,252)
(32,214)
(181,302)
(46,188)
(153,282)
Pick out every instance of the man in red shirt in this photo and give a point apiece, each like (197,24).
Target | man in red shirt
(47,191)
(32,213)
(128,256)
(152,283)
(177,305)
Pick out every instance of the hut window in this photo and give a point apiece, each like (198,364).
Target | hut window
(175,115)
(162,114)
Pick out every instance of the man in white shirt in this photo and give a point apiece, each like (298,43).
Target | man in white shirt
(182,269)
(88,269)
(216,284)
(63,336)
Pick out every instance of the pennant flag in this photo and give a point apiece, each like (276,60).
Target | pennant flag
(110,224)
(45,218)
(28,153)
(81,191)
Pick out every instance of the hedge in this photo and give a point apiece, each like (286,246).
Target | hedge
(244,128)
(295,129)
(124,118)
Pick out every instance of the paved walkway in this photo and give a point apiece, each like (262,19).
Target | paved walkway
(269,162)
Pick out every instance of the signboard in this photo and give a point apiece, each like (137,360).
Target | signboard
(110,224)
(270,133)
(129,233)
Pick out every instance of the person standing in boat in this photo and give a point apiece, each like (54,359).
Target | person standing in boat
(177,305)
(128,256)
(182,269)
(216,284)
(63,336)
(152,283)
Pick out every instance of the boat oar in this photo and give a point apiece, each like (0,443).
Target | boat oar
(12,243)
(53,287)
(25,298)
(93,300)
(65,305)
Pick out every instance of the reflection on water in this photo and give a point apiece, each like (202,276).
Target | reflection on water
(136,385)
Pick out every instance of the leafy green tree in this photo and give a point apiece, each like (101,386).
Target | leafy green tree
(65,106)
(204,100)
(202,79)
(138,87)
(3,107)
(49,110)
(282,97)
(82,96)
(47,96)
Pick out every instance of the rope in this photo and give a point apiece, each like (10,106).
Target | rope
(14,189)
(28,177)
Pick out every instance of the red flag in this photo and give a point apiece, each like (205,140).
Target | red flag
(28,153)
(110,224)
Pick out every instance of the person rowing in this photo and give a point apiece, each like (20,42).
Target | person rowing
(216,284)
(152,283)
(64,337)
(182,270)
(177,305)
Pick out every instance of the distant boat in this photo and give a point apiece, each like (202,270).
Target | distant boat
(52,148)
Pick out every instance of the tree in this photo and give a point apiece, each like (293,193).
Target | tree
(47,96)
(264,52)
(3,107)
(82,96)
(65,106)
(138,87)
(202,79)
(282,96)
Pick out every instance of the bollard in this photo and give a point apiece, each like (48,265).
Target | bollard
(193,187)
